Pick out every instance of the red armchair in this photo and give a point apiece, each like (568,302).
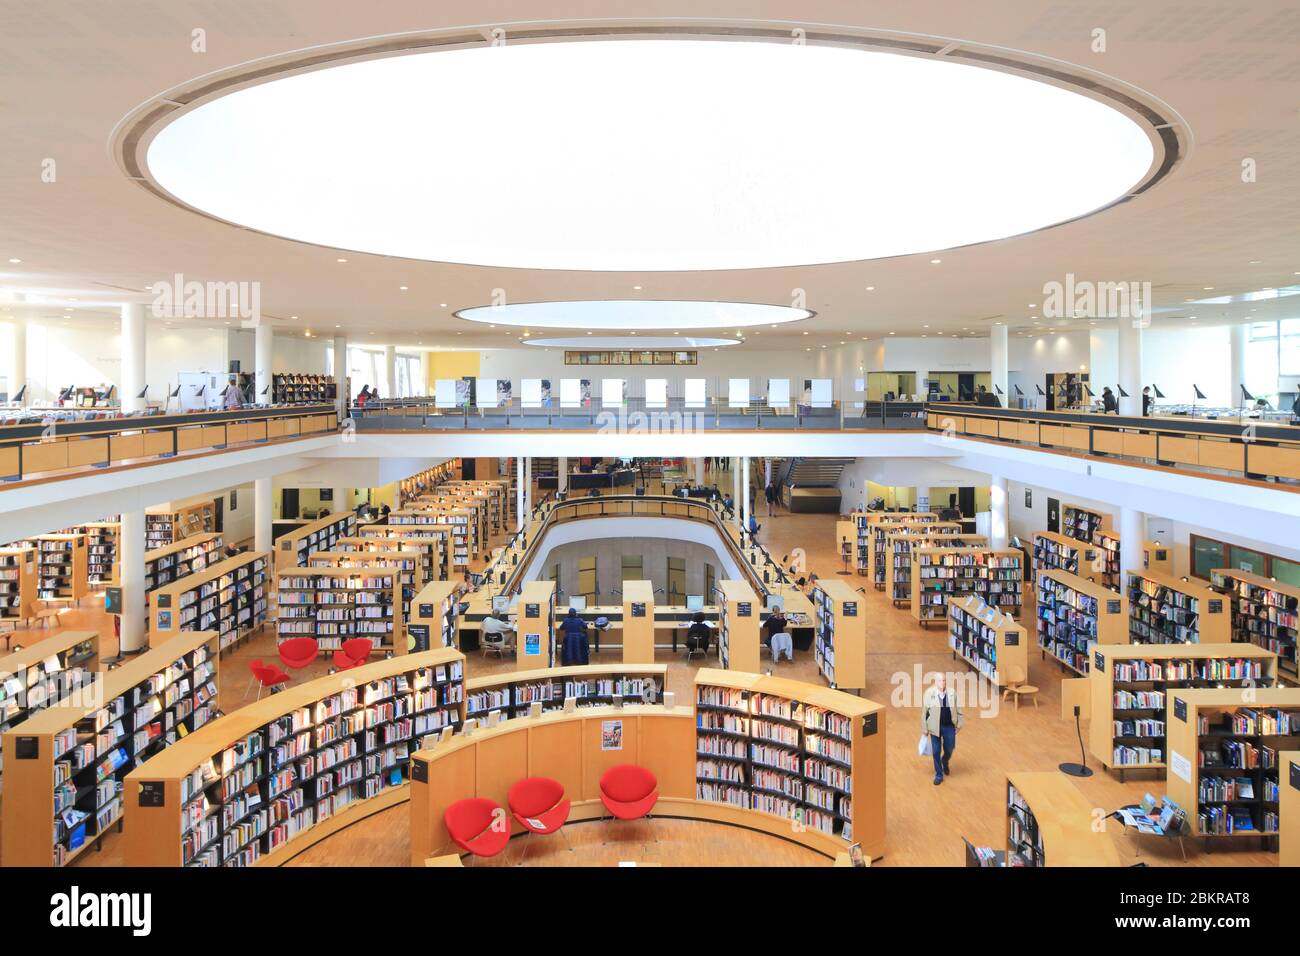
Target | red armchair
(298,652)
(538,803)
(267,676)
(629,792)
(470,823)
(353,653)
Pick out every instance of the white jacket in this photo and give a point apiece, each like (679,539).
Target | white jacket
(930,710)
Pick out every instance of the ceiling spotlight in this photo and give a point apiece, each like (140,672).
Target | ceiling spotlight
(402,288)
(935,262)
(16,261)
(443,304)
(637,287)
(340,260)
(872,288)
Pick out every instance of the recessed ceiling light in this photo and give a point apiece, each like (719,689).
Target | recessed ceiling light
(16,261)
(891,333)
(293,316)
(1208,288)
(805,333)
(872,288)
(935,262)
(637,287)
(402,288)
(338,326)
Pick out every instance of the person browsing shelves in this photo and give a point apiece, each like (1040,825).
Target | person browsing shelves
(574,650)
(941,718)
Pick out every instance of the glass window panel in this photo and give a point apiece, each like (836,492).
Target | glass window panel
(1288,572)
(1206,556)
(1245,560)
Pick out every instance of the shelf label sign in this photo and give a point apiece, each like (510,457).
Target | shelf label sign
(870,724)
(744,609)
(638,609)
(426,610)
(1180,709)
(1011,639)
(417,638)
(1098,662)
(532,610)
(1215,606)
(1112,607)
(532,645)
(420,771)
(850,608)
(152,793)
(1180,766)
(1295,775)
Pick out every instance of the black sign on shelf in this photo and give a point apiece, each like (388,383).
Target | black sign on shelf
(1098,662)
(426,610)
(532,610)
(1180,709)
(870,724)
(152,793)
(638,609)
(744,609)
(1112,606)
(164,600)
(1215,605)
(113,600)
(850,608)
(419,771)
(1011,639)
(417,636)
(1162,554)
(27,748)
(1294,775)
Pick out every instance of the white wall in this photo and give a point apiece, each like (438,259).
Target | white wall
(1174,359)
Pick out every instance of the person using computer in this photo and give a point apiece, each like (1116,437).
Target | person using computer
(698,635)
(776,623)
(1109,403)
(574,651)
(1147,400)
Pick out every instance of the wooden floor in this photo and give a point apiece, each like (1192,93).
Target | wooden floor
(925,823)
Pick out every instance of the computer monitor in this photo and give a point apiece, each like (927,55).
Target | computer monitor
(578,602)
(775,602)
(695,602)
(501,604)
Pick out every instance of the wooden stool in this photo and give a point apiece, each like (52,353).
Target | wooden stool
(1016,686)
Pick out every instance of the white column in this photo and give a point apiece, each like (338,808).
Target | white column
(390,372)
(1132,536)
(1237,364)
(422,387)
(18,361)
(132,357)
(699,471)
(735,490)
(131,576)
(998,363)
(999,535)
(744,496)
(1130,366)
(520,478)
(562,474)
(262,512)
(528,485)
(263,362)
(919,386)
(340,502)
(341,375)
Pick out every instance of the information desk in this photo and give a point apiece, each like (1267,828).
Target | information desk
(586,480)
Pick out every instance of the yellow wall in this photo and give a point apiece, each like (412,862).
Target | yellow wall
(451,365)
(900,497)
(900,383)
(939,498)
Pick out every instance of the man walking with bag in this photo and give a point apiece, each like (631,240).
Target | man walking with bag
(941,718)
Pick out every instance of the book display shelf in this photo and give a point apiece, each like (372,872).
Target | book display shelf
(594,685)
(638,622)
(420,535)
(44,673)
(1225,757)
(61,573)
(898,553)
(172,562)
(268,780)
(17,584)
(177,523)
(333,605)
(101,552)
(69,763)
(293,549)
(404,564)
(872,529)
(811,755)
(433,565)
(1072,614)
(1264,612)
(290,388)
(1083,523)
(466,511)
(992,643)
(944,574)
(456,523)
(435,617)
(1097,528)
(1129,686)
(428,479)
(840,638)
(739,646)
(229,597)
(494,492)
(853,543)
(1058,552)
(1051,823)
(1289,807)
(1164,609)
(535,627)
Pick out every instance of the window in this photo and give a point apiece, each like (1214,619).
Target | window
(633,568)
(676,580)
(1208,554)
(1288,572)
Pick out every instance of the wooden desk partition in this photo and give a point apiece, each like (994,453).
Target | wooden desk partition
(638,622)
(739,646)
(1289,807)
(434,618)
(535,640)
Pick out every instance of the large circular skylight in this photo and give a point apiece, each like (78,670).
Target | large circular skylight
(638,343)
(608,314)
(645,155)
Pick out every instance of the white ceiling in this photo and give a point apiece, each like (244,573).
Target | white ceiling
(72,72)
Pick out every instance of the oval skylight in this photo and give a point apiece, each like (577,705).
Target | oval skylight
(636,343)
(610,314)
(650,155)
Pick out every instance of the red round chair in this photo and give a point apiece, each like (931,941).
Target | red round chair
(629,792)
(353,653)
(268,676)
(470,822)
(539,805)
(298,652)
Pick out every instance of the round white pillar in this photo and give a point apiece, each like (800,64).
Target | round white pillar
(1132,537)
(263,363)
(131,548)
(999,363)
(133,357)
(18,360)
(344,399)
(390,372)
(262,514)
(1237,364)
(1130,366)
(999,533)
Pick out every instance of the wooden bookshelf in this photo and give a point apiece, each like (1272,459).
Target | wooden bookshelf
(457,522)
(492,492)
(1211,759)
(872,528)
(638,622)
(1289,807)
(1167,610)
(848,546)
(190,806)
(430,478)
(168,525)
(840,641)
(102,539)
(1058,552)
(407,536)
(333,605)
(406,565)
(17,584)
(1072,614)
(61,567)
(432,567)
(512,695)
(1083,523)
(293,549)
(1157,557)
(1131,683)
(44,672)
(292,388)
(73,758)
(992,643)
(174,561)
(535,627)
(739,626)
(470,512)
(898,553)
(810,755)
(1051,823)
(435,617)
(1263,612)
(943,574)
(229,597)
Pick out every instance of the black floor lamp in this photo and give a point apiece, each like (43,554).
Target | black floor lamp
(1078,769)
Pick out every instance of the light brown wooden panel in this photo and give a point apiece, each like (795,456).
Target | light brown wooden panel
(1181,450)
(1051,435)
(292,427)
(1139,445)
(1027,431)
(275,428)
(1222,454)
(87,451)
(256,431)
(555,751)
(1107,442)
(45,456)
(956,422)
(663,740)
(236,432)
(122,447)
(1076,437)
(189,439)
(1280,460)
(214,435)
(1009,429)
(502,760)
(597,761)
(983,426)
(9,460)
(157,443)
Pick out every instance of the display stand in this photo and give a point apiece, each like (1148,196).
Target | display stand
(739,642)
(638,622)
(992,643)
(840,642)
(535,628)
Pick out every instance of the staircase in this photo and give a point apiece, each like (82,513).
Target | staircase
(816,472)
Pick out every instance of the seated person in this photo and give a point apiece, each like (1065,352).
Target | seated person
(495,633)
(782,643)
(574,651)
(776,624)
(699,635)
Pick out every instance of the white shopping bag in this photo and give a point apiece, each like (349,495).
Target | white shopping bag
(923,746)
